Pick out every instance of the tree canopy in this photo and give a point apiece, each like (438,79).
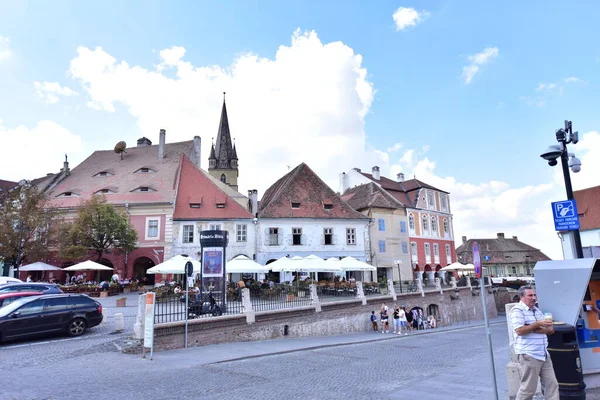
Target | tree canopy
(27,225)
(98,227)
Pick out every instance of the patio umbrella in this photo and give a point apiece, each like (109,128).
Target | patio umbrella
(352,264)
(175,265)
(283,264)
(88,266)
(456,266)
(242,264)
(39,266)
(314,263)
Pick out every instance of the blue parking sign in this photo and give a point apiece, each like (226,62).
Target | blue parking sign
(565,215)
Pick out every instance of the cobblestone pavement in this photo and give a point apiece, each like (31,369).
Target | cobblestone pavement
(442,364)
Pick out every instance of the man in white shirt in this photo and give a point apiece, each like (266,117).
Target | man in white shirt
(531,347)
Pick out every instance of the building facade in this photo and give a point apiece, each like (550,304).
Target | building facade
(503,257)
(588,208)
(300,215)
(428,217)
(389,241)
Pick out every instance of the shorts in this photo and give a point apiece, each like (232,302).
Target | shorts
(403,324)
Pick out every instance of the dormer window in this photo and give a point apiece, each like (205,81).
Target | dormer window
(144,170)
(104,191)
(295,205)
(220,205)
(103,174)
(195,205)
(328,206)
(144,189)
(68,194)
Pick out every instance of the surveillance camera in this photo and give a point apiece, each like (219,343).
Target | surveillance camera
(574,137)
(551,154)
(575,164)
(552,163)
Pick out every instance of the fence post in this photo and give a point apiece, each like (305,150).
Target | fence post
(420,287)
(438,285)
(391,290)
(138,326)
(360,293)
(247,306)
(314,297)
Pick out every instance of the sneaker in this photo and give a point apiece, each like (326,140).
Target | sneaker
(400,333)
(382,331)
(406,334)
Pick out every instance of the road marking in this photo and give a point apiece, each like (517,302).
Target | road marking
(16,346)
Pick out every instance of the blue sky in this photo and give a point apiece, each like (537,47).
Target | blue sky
(491,129)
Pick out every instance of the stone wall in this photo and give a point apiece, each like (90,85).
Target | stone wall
(335,318)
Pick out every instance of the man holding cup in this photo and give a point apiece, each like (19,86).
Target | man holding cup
(531,346)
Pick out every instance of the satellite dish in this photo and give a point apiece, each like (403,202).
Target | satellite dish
(120,148)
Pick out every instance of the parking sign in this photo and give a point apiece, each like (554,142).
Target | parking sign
(565,215)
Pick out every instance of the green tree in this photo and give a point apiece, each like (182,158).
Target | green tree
(27,225)
(98,227)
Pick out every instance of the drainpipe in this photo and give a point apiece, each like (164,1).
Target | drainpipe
(126,253)
(255,220)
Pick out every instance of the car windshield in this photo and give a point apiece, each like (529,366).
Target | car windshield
(4,311)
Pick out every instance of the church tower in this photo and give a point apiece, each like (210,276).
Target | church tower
(223,160)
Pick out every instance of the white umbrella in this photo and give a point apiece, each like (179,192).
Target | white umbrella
(175,265)
(242,264)
(314,263)
(39,266)
(283,264)
(88,266)
(456,266)
(352,264)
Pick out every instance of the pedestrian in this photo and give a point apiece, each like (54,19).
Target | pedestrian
(531,347)
(396,326)
(409,320)
(374,321)
(385,326)
(28,278)
(402,320)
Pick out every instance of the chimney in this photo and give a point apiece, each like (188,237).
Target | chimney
(161,144)
(400,177)
(343,183)
(501,235)
(253,196)
(375,173)
(66,169)
(197,155)
(514,237)
(464,240)
(143,142)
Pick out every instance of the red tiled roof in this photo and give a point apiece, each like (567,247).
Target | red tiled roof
(406,186)
(588,207)
(370,195)
(194,186)
(124,180)
(303,186)
(6,185)
(501,251)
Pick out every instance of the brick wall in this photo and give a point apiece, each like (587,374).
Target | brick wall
(335,318)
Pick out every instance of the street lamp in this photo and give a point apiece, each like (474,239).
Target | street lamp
(568,160)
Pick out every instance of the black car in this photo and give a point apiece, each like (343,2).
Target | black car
(46,288)
(53,313)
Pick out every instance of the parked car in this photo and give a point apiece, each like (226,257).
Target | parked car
(46,288)
(54,313)
(8,279)
(7,298)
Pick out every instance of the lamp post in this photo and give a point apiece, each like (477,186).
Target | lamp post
(564,137)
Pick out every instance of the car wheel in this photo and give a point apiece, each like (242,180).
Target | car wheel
(217,311)
(76,327)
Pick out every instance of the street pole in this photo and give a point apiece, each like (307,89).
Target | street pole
(564,159)
(488,332)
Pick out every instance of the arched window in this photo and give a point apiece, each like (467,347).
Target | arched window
(425,223)
(411,222)
(223,178)
(434,225)
(446,225)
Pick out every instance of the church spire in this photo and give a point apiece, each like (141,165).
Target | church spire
(223,147)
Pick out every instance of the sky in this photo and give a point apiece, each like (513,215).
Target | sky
(463,95)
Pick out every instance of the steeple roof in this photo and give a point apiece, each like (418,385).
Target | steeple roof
(224,152)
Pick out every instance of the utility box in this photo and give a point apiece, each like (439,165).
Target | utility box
(570,290)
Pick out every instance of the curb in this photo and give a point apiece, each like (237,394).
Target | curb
(323,346)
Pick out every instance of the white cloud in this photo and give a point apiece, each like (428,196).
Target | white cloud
(476,61)
(5,52)
(307,104)
(36,151)
(405,17)
(573,79)
(545,86)
(533,101)
(394,148)
(49,92)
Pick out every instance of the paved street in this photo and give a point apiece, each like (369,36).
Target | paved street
(442,364)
